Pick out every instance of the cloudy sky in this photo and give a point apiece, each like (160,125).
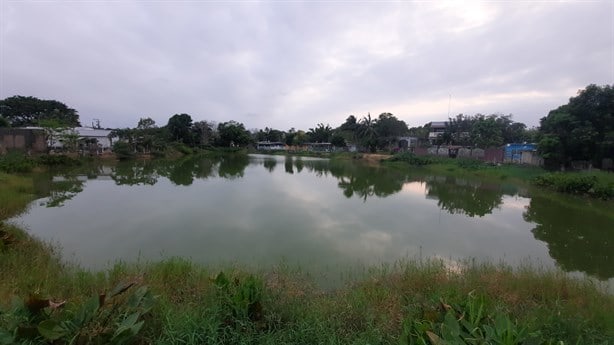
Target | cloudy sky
(298,63)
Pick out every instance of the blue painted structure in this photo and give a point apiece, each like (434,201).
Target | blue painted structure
(513,152)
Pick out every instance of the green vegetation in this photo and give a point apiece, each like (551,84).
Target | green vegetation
(21,111)
(582,129)
(18,162)
(483,131)
(412,159)
(467,167)
(15,194)
(595,184)
(47,300)
(426,302)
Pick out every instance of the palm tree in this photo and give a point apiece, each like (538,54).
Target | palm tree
(367,132)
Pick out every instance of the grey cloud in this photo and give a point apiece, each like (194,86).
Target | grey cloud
(288,65)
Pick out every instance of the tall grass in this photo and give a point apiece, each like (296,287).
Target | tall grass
(409,302)
(15,194)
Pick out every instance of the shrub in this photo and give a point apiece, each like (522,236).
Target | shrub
(123,150)
(411,159)
(16,162)
(576,184)
(58,160)
(469,164)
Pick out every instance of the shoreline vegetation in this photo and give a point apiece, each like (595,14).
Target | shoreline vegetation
(45,300)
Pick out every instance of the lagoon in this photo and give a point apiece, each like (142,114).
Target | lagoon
(316,213)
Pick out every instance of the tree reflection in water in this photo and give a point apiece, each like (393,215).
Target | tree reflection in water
(460,196)
(578,233)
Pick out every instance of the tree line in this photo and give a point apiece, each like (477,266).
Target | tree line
(582,129)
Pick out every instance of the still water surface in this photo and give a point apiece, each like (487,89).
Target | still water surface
(261,210)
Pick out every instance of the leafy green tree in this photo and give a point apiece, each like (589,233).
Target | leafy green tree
(388,129)
(320,134)
(204,133)
(24,111)
(269,134)
(232,134)
(146,123)
(422,133)
(367,133)
(513,132)
(289,136)
(123,150)
(486,131)
(180,128)
(349,129)
(338,140)
(300,138)
(583,129)
(457,130)
(4,122)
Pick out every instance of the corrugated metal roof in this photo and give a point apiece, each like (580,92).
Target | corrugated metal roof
(91,132)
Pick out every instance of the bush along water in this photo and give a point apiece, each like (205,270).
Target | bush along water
(412,159)
(18,162)
(576,184)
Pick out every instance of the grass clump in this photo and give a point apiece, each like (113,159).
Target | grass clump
(57,160)
(412,159)
(15,194)
(578,183)
(16,162)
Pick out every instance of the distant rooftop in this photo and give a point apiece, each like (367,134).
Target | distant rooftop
(439,124)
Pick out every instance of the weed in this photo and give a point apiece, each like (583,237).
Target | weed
(104,319)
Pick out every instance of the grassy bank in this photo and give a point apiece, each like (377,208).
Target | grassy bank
(597,184)
(44,299)
(179,302)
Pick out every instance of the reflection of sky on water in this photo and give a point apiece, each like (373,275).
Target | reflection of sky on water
(269,215)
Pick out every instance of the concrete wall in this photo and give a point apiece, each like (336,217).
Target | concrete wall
(492,155)
(22,139)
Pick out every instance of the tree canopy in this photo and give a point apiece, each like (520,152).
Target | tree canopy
(23,111)
(483,130)
(582,129)
(233,133)
(180,128)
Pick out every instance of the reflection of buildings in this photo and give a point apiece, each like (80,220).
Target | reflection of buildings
(102,173)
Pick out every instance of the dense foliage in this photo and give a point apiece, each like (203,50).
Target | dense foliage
(21,111)
(582,129)
(576,184)
(483,131)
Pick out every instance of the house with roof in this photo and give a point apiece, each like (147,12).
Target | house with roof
(522,153)
(438,128)
(270,145)
(87,138)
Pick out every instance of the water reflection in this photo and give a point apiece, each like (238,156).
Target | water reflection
(233,166)
(461,196)
(329,209)
(135,173)
(580,237)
